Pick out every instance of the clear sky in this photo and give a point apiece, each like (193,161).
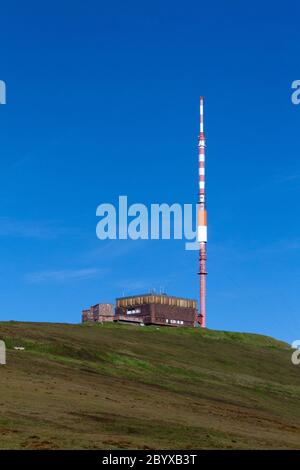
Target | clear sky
(102,100)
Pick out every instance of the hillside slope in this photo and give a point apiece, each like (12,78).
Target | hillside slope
(121,386)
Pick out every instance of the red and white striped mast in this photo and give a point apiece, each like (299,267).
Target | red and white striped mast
(202,220)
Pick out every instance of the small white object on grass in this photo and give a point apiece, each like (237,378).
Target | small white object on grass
(2,353)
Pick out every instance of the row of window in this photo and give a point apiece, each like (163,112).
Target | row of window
(178,322)
(133,311)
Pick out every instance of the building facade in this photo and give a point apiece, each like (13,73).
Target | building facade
(153,309)
(99,313)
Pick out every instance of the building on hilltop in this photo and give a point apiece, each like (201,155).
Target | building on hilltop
(99,313)
(153,309)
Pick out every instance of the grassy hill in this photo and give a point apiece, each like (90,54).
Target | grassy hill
(124,387)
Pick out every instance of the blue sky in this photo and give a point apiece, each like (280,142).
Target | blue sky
(102,100)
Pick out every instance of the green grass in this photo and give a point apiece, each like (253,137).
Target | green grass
(123,386)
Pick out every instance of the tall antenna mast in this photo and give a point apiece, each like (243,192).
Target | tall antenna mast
(202,220)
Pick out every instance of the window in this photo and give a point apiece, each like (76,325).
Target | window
(133,311)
